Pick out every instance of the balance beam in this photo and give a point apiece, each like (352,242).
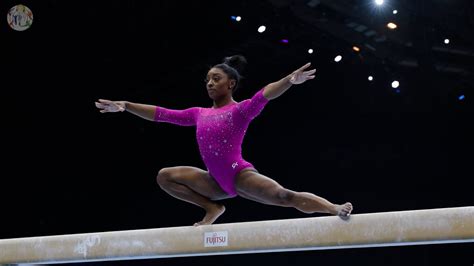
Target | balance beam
(400,228)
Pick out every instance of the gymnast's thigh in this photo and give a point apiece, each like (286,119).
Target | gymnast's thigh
(196,179)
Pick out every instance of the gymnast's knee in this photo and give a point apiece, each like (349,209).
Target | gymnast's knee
(285,196)
(164,176)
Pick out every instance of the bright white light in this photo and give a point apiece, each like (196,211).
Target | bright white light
(238,18)
(379,2)
(337,58)
(370,78)
(395,84)
(395,11)
(262,29)
(391,25)
(310,51)
(446,41)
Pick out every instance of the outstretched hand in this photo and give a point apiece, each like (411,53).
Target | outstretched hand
(107,106)
(299,76)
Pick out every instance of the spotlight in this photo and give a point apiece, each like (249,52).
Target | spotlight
(310,51)
(379,2)
(338,58)
(391,25)
(370,78)
(395,84)
(262,29)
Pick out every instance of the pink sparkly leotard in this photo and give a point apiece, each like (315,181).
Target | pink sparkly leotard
(219,133)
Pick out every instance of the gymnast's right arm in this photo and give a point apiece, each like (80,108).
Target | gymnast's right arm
(185,117)
(142,110)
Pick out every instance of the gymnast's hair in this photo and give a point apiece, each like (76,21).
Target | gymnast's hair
(233,66)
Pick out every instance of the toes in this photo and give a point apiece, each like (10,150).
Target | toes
(348,206)
(343,212)
(346,210)
(344,216)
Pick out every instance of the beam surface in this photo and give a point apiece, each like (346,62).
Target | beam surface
(414,227)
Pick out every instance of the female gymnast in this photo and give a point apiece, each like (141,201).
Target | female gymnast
(220,130)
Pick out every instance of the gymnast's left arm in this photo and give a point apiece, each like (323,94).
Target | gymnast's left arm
(277,88)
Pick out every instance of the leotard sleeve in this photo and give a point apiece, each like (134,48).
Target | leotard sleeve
(250,108)
(186,117)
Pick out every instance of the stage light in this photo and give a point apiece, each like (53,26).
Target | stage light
(391,25)
(338,58)
(379,2)
(395,11)
(310,51)
(236,18)
(356,49)
(446,41)
(370,78)
(395,84)
(262,29)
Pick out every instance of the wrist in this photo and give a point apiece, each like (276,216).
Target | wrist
(290,79)
(124,106)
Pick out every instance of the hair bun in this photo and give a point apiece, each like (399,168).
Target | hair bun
(238,62)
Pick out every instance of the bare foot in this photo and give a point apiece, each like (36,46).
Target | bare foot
(343,210)
(212,215)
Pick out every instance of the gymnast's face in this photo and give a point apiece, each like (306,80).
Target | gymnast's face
(218,83)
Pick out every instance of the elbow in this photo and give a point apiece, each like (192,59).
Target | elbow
(268,93)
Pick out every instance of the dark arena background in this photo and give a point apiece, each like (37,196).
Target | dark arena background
(387,123)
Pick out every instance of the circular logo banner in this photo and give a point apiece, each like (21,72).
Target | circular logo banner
(20,17)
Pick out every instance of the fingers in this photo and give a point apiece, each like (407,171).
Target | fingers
(101,106)
(310,72)
(105,101)
(105,108)
(304,67)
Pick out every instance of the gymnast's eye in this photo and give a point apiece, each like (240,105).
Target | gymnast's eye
(214,78)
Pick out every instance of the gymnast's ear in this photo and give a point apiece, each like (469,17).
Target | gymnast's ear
(232,83)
